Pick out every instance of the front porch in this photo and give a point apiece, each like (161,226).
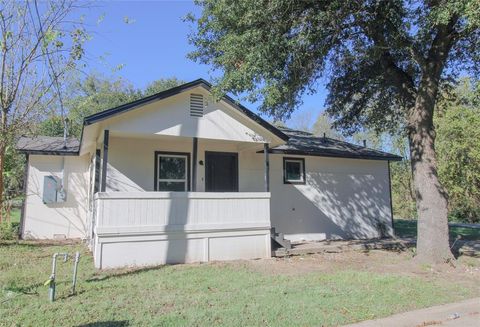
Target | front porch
(151,228)
(161,199)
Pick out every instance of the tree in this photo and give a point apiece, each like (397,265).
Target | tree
(96,93)
(162,85)
(301,121)
(403,193)
(384,59)
(39,45)
(458,147)
(324,125)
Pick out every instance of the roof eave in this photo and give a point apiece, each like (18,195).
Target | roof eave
(334,155)
(49,152)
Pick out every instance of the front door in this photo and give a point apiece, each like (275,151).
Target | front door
(221,171)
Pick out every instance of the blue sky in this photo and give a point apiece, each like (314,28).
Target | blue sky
(154,45)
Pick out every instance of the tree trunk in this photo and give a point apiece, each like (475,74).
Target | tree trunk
(2,164)
(431,199)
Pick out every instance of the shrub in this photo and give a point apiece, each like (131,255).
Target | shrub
(9,230)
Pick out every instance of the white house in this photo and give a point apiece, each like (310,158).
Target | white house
(178,177)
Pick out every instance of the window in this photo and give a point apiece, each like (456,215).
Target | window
(172,171)
(293,171)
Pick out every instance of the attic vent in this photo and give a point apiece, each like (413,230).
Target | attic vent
(196,105)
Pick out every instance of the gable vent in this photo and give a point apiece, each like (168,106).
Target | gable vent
(196,105)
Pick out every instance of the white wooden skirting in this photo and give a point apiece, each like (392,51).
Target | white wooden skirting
(145,228)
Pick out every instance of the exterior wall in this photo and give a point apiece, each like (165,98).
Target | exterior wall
(133,170)
(171,117)
(67,219)
(342,199)
(151,228)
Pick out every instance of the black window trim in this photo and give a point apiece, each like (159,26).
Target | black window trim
(285,181)
(186,154)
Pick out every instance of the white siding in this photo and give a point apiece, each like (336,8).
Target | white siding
(134,229)
(343,198)
(171,117)
(131,162)
(67,219)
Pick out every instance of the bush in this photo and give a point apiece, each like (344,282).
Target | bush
(464,213)
(9,231)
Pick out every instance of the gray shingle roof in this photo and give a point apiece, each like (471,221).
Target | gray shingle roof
(304,143)
(48,145)
(299,143)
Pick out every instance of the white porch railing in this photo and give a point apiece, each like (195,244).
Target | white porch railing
(147,212)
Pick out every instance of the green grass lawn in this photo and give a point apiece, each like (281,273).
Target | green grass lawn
(15,215)
(408,228)
(231,294)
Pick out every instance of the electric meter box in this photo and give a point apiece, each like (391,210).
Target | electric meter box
(52,190)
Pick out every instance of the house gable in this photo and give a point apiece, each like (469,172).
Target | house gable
(175,116)
(171,113)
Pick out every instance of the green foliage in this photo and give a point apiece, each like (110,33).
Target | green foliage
(403,196)
(52,126)
(94,94)
(14,167)
(458,150)
(403,199)
(373,52)
(8,230)
(161,85)
(41,45)
(324,125)
(458,156)
(408,228)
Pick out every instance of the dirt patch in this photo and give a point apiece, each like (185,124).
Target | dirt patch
(465,271)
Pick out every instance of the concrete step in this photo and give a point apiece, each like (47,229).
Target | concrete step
(280,239)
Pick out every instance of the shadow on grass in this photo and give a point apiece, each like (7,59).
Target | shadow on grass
(31,289)
(39,243)
(106,275)
(408,228)
(28,290)
(120,323)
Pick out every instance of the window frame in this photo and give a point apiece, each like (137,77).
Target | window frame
(302,171)
(171,154)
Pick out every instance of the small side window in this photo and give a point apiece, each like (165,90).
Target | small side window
(293,171)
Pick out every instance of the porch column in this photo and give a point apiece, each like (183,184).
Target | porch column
(194,164)
(103,186)
(267,167)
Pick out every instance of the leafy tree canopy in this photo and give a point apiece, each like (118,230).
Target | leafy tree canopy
(96,93)
(278,50)
(458,148)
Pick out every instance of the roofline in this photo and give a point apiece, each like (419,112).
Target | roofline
(50,153)
(391,157)
(174,91)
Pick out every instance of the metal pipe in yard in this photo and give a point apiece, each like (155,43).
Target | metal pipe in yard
(51,281)
(75,266)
